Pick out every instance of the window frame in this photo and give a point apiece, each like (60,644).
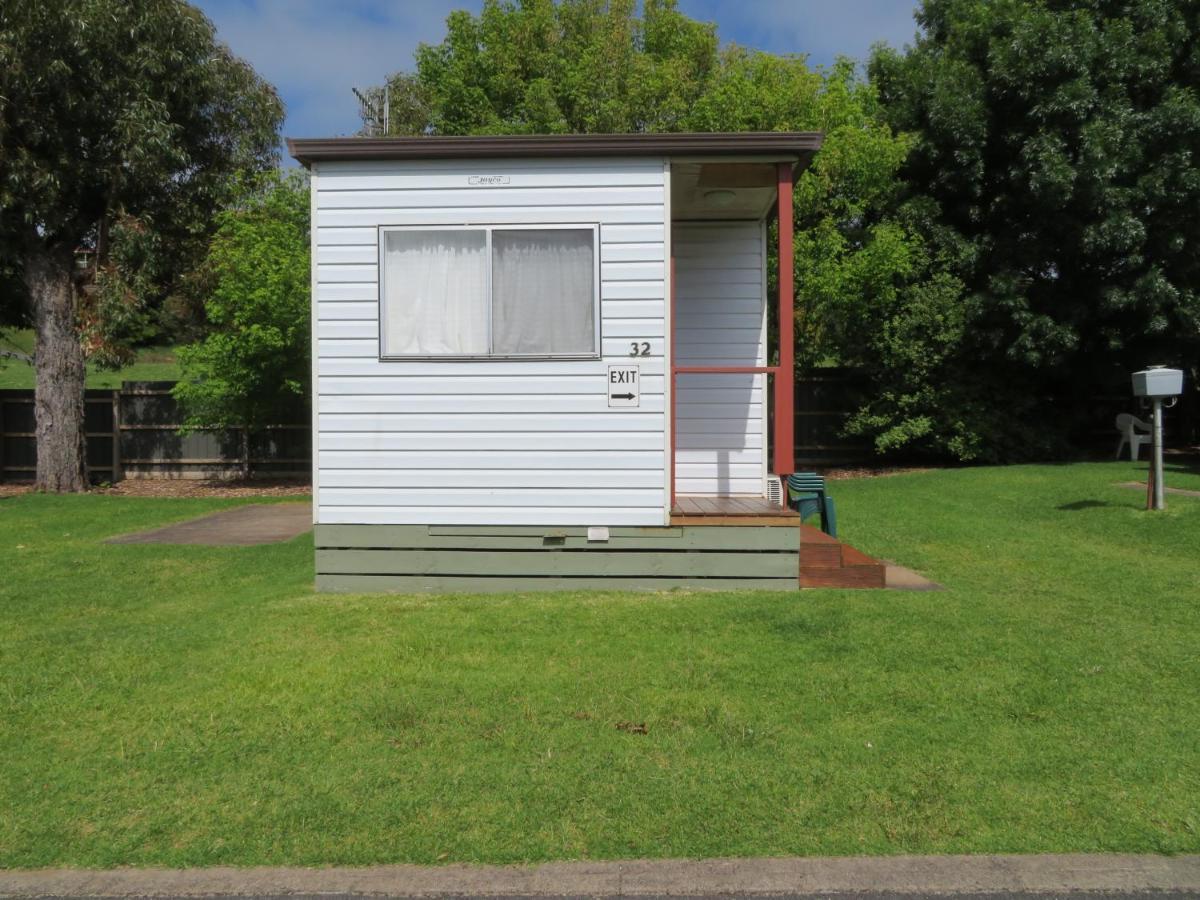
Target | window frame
(488,228)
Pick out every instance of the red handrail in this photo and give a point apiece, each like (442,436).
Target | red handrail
(705,370)
(725,370)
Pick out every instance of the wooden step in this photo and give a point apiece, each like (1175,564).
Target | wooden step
(850,577)
(818,550)
(820,556)
(852,557)
(826,562)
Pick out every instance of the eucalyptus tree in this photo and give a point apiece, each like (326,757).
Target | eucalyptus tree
(112,113)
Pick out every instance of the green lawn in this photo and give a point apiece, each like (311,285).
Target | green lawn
(152,364)
(195,706)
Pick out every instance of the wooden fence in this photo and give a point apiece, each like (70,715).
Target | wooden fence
(133,432)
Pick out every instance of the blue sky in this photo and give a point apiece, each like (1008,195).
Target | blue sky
(314,51)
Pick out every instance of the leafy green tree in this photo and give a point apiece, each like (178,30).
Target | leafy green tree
(252,368)
(541,67)
(850,257)
(112,114)
(1056,174)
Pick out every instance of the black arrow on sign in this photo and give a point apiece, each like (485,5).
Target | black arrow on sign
(621,396)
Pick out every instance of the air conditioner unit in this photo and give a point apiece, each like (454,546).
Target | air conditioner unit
(775,491)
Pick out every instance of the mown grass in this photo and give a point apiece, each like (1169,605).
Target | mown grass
(150,364)
(193,706)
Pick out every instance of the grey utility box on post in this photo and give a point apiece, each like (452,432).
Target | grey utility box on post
(1156,384)
(1158,381)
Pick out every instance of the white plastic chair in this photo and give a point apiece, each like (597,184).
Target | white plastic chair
(1128,425)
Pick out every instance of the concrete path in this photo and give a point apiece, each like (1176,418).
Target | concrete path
(943,876)
(258,523)
(901,579)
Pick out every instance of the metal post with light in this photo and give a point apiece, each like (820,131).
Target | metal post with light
(1157,384)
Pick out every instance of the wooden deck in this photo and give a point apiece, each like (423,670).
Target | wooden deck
(730,511)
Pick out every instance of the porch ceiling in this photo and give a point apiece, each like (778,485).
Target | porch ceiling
(722,190)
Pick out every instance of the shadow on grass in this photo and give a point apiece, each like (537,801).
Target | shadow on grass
(1085,504)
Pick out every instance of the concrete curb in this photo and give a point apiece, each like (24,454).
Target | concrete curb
(900,875)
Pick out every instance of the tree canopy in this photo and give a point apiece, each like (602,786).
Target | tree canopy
(541,67)
(1055,171)
(111,109)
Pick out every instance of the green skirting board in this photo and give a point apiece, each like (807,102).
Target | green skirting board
(480,559)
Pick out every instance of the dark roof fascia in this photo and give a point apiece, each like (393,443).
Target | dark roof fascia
(796,144)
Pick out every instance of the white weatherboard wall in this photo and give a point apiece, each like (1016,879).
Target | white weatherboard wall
(720,310)
(488,442)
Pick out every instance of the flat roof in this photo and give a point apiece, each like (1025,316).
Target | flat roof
(798,145)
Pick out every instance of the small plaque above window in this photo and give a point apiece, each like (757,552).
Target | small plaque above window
(488,180)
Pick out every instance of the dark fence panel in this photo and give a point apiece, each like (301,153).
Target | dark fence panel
(134,432)
(825,399)
(18,439)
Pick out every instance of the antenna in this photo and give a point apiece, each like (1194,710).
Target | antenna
(373,109)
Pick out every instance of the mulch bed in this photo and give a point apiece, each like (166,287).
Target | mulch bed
(233,488)
(841,474)
(180,487)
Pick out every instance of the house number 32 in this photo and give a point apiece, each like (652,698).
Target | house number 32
(639,348)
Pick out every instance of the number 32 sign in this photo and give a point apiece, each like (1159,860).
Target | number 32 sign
(639,348)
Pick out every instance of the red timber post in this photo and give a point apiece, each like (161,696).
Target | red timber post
(785,457)
(674,384)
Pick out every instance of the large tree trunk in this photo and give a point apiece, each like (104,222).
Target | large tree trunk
(59,367)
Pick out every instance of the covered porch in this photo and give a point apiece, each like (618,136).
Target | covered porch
(730,391)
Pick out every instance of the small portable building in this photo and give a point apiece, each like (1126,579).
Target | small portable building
(543,361)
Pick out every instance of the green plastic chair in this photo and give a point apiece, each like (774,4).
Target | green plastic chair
(807,494)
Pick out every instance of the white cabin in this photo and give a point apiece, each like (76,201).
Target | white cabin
(507,331)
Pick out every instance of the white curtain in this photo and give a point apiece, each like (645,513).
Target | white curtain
(435,293)
(542,291)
